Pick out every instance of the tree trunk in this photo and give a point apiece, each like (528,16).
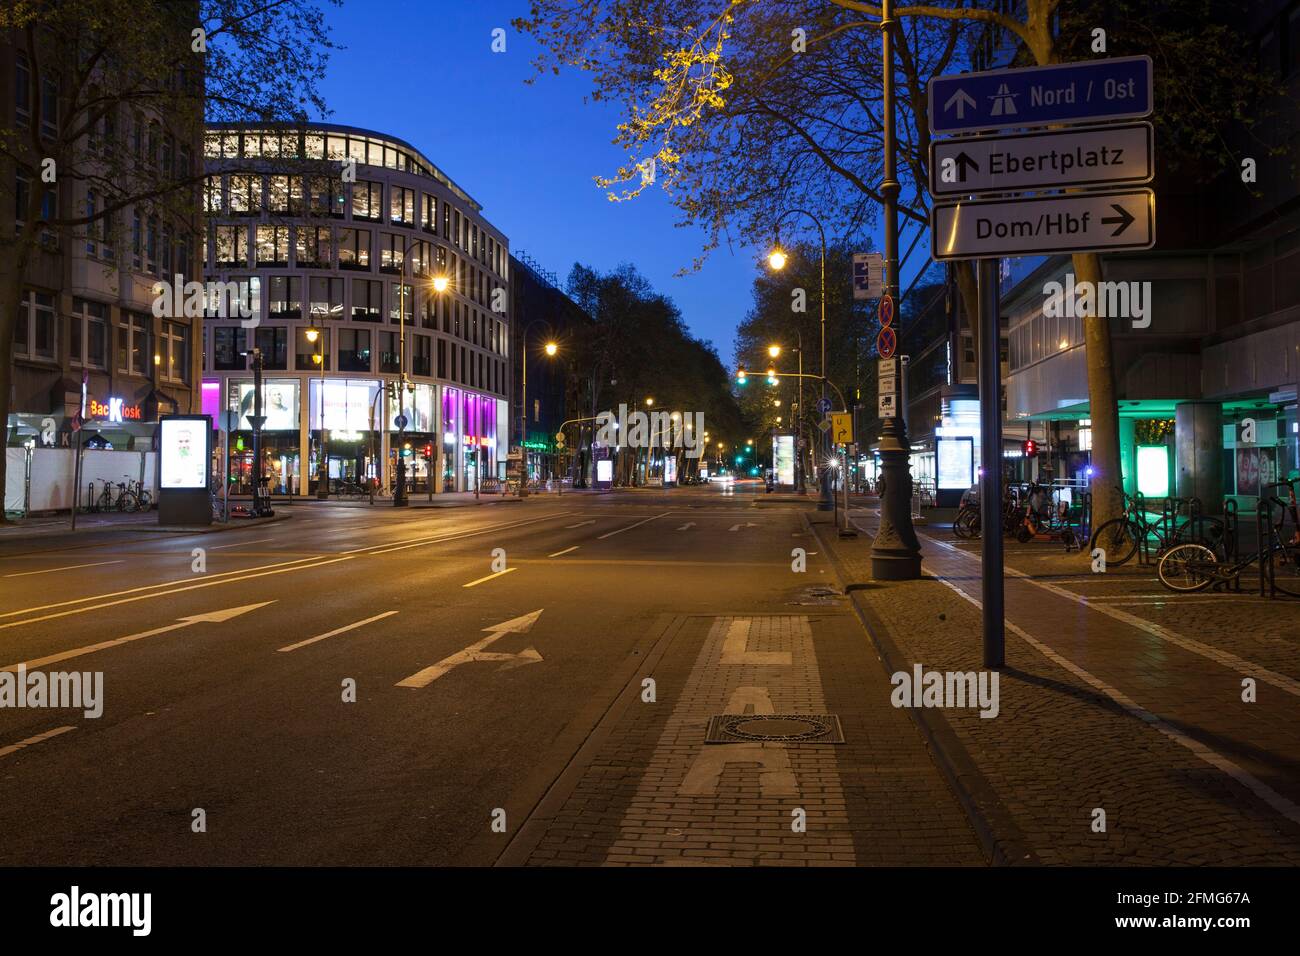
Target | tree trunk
(1107,497)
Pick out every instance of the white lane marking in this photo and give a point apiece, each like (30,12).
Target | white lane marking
(1281,804)
(13,748)
(735,647)
(687,527)
(1230,661)
(565,551)
(417,542)
(239,544)
(211,617)
(570,527)
(70,567)
(495,574)
(611,534)
(477,652)
(337,630)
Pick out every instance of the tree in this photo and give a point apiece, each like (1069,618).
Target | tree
(129,77)
(738,108)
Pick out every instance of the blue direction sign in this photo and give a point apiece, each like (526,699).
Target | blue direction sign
(1089,90)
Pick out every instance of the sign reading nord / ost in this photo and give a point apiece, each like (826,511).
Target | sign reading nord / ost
(1043,225)
(1121,154)
(1086,91)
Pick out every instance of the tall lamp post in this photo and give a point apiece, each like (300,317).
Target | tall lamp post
(777,261)
(551,349)
(317,338)
(895,552)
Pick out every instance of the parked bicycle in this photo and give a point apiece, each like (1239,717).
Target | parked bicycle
(1120,537)
(1192,566)
(113,496)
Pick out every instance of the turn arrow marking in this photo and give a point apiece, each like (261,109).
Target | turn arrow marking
(1125,218)
(477,652)
(211,617)
(687,526)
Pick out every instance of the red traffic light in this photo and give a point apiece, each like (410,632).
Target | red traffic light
(1029,447)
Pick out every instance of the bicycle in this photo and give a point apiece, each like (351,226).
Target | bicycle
(1190,567)
(124,500)
(143,499)
(1120,537)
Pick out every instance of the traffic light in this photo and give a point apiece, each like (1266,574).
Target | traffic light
(1029,447)
(428,451)
(740,376)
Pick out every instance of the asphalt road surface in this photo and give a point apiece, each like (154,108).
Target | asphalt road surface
(225,671)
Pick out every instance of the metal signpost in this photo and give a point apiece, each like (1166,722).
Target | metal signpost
(1116,154)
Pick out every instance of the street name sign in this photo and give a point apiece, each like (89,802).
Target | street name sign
(868,275)
(1043,225)
(1121,154)
(1086,91)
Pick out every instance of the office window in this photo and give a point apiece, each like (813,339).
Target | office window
(49,106)
(285,298)
(274,343)
(354,249)
(151,245)
(392,248)
(401,296)
(389,354)
(34,334)
(213,198)
(246,195)
(167,249)
(422,355)
(401,205)
(314,146)
(367,200)
(367,300)
(354,350)
(326,298)
(133,351)
(429,213)
(442,358)
(273,246)
(446,220)
(175,352)
(88,334)
(228,348)
(313,248)
(306,351)
(231,245)
(325,196)
(22,91)
(277,194)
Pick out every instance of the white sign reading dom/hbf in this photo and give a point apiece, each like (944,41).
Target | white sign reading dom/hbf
(1086,91)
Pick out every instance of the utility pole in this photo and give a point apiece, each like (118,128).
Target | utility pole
(895,553)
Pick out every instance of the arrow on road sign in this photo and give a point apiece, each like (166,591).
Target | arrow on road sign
(961,99)
(477,652)
(1125,219)
(211,617)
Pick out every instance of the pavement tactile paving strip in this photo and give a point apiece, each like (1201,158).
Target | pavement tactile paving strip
(657,795)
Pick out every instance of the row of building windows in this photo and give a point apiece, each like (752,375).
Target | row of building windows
(91,332)
(1042,337)
(355,350)
(256,195)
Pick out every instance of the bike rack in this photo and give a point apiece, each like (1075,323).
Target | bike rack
(1230,529)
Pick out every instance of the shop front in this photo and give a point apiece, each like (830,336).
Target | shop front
(280,439)
(471,457)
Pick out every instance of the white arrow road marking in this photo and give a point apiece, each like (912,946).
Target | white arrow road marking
(579,524)
(337,630)
(495,574)
(747,524)
(565,551)
(475,652)
(13,748)
(211,617)
(69,567)
(610,534)
(687,526)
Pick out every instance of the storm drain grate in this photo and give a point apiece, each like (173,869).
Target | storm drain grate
(782,728)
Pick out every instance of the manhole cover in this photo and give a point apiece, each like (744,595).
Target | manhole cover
(785,728)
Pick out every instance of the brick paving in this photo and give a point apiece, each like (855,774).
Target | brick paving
(651,792)
(1117,697)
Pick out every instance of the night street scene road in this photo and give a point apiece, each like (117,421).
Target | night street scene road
(451,441)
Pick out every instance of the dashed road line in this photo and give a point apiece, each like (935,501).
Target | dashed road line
(14,748)
(489,577)
(610,534)
(338,630)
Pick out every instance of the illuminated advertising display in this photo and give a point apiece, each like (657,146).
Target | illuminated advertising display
(183,453)
(783,459)
(955,463)
(279,404)
(605,471)
(347,404)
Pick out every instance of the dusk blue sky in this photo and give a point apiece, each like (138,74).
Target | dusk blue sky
(423,70)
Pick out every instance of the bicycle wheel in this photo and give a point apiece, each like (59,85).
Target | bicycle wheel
(127,502)
(961,524)
(1118,538)
(1187,567)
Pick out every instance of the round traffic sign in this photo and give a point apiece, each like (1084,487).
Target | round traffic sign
(886,342)
(559,436)
(886,310)
(823,405)
(401,422)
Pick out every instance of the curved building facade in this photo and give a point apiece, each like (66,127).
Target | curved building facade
(351,256)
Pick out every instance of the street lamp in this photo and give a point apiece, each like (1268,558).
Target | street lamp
(550,349)
(777,260)
(317,338)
